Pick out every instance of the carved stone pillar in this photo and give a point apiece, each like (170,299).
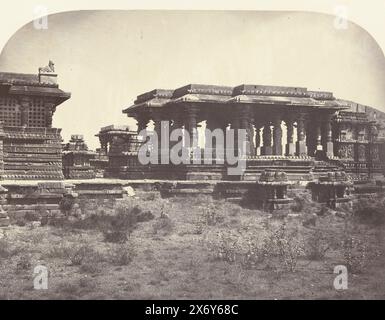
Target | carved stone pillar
(157,129)
(142,123)
(178,124)
(290,146)
(49,109)
(251,133)
(210,141)
(277,136)
(328,137)
(235,124)
(24,103)
(103,143)
(301,148)
(245,125)
(224,128)
(257,138)
(192,115)
(266,149)
(318,135)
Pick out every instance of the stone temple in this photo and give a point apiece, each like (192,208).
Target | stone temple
(29,147)
(304,133)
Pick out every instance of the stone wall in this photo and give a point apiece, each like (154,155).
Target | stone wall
(47,200)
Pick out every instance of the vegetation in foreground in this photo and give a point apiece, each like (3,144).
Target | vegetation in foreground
(198,248)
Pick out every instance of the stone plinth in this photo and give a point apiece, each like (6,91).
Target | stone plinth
(271,191)
(332,190)
(38,200)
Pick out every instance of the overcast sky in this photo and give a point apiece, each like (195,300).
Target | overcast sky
(107,58)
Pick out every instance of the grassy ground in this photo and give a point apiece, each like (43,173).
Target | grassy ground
(196,248)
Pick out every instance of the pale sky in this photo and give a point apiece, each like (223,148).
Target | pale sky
(107,58)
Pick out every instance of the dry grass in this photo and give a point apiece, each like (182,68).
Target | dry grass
(194,248)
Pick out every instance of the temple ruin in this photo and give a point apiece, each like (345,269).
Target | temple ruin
(76,159)
(301,132)
(30,148)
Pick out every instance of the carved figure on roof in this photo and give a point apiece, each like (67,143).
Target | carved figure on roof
(48,69)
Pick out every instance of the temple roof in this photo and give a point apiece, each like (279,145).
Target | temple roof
(116,130)
(32,84)
(242,94)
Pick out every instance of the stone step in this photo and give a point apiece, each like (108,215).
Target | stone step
(190,191)
(235,200)
(18,207)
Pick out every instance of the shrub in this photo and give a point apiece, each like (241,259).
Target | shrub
(115,228)
(87,283)
(253,256)
(79,254)
(299,204)
(115,236)
(23,263)
(163,225)
(317,245)
(90,267)
(66,204)
(284,245)
(290,251)
(356,253)
(68,289)
(371,211)
(225,247)
(122,255)
(20,222)
(75,254)
(32,216)
(5,248)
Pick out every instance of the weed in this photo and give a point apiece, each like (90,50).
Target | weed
(66,204)
(163,225)
(317,245)
(5,248)
(23,263)
(123,255)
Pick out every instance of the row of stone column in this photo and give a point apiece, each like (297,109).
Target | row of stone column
(318,124)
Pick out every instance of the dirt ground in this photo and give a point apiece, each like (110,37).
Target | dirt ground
(197,248)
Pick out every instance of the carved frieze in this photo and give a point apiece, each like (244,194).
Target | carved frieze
(346,151)
(361,150)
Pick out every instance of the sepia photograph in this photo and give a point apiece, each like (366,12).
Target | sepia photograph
(192,155)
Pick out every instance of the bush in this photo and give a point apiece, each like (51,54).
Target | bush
(163,225)
(90,267)
(299,204)
(78,254)
(254,255)
(317,245)
(66,204)
(371,211)
(23,263)
(75,254)
(115,236)
(225,247)
(354,254)
(290,249)
(32,216)
(123,255)
(123,223)
(115,228)
(283,245)
(5,248)
(69,290)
